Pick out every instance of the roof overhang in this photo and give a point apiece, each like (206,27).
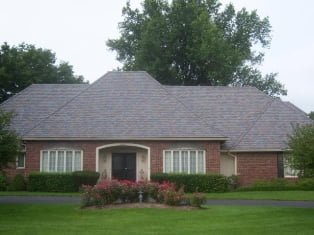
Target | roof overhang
(253,150)
(131,138)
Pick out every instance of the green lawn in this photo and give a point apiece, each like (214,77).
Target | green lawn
(266,195)
(258,195)
(68,219)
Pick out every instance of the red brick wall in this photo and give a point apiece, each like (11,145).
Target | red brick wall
(253,166)
(32,161)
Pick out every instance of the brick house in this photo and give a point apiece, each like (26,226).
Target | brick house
(127,125)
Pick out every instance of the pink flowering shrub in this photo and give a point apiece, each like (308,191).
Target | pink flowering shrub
(109,192)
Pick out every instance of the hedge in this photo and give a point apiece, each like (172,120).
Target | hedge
(206,183)
(278,184)
(60,182)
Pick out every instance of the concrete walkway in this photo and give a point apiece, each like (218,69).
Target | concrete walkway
(226,202)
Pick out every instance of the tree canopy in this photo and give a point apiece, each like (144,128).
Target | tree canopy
(195,42)
(23,65)
(311,115)
(10,144)
(301,143)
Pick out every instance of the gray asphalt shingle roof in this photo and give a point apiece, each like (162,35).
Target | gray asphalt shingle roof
(134,105)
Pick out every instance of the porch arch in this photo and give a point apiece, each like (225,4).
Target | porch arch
(124,145)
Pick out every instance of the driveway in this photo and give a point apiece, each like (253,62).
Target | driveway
(225,202)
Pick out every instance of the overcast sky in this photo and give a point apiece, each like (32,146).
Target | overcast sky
(76,30)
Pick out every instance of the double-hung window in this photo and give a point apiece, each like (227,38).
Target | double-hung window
(56,160)
(184,161)
(289,172)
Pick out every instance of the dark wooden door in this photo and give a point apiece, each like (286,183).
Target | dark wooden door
(124,166)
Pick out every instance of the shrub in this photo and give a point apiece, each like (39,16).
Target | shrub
(18,183)
(305,183)
(206,183)
(233,182)
(3,181)
(197,199)
(275,184)
(51,182)
(109,192)
(85,178)
(61,182)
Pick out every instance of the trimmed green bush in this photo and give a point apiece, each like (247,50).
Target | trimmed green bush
(85,178)
(3,181)
(60,182)
(206,183)
(305,183)
(18,183)
(275,184)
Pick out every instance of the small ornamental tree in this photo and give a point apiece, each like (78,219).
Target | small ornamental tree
(301,143)
(9,142)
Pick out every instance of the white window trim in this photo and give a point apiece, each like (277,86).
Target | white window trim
(17,159)
(285,170)
(64,163)
(180,166)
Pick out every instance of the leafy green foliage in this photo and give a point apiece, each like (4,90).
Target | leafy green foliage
(17,184)
(195,182)
(301,143)
(198,199)
(195,42)
(311,115)
(10,144)
(60,182)
(3,181)
(277,184)
(23,65)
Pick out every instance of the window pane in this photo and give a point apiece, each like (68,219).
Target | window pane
(21,160)
(60,164)
(176,166)
(200,162)
(68,166)
(52,161)
(192,162)
(288,170)
(184,161)
(167,161)
(77,161)
(44,161)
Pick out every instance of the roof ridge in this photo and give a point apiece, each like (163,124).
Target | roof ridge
(66,103)
(201,118)
(267,106)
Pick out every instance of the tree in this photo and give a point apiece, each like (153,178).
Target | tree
(10,144)
(311,115)
(301,143)
(25,64)
(194,42)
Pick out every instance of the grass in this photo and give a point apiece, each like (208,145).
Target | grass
(266,195)
(257,195)
(25,193)
(68,219)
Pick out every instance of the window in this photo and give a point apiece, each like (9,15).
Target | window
(20,161)
(185,161)
(61,160)
(289,172)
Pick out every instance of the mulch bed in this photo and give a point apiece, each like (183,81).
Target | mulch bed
(141,205)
